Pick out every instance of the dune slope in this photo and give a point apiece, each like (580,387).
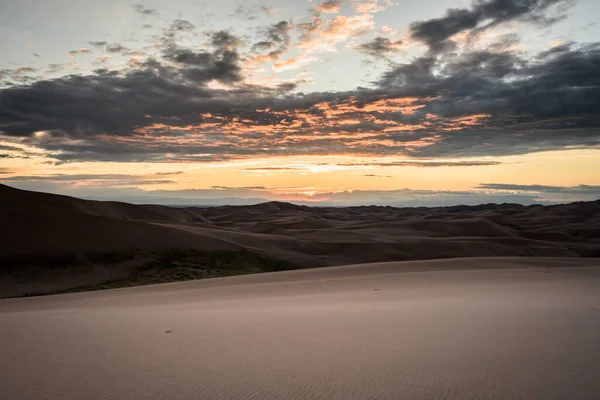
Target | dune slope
(45,226)
(458,329)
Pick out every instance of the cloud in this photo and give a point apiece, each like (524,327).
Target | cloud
(324,35)
(467,108)
(579,189)
(373,6)
(378,176)
(276,38)
(424,163)
(224,40)
(294,63)
(267,10)
(92,179)
(397,197)
(273,169)
(120,187)
(222,64)
(116,48)
(19,75)
(82,50)
(380,47)
(54,68)
(169,173)
(331,6)
(144,10)
(484,14)
(181,25)
(238,188)
(247,13)
(194,102)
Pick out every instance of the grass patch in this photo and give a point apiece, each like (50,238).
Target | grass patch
(161,266)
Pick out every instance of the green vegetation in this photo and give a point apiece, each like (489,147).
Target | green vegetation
(146,267)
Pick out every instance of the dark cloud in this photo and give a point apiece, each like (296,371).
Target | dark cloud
(123,179)
(82,50)
(379,47)
(276,37)
(279,32)
(53,68)
(378,176)
(484,14)
(116,48)
(169,173)
(544,103)
(8,155)
(479,103)
(181,25)
(19,75)
(222,64)
(144,10)
(9,147)
(262,45)
(224,40)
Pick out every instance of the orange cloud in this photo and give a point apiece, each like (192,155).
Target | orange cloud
(373,6)
(325,36)
(294,63)
(329,7)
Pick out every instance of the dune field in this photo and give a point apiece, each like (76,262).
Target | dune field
(486,302)
(478,328)
(59,243)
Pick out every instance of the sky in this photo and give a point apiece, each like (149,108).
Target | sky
(344,102)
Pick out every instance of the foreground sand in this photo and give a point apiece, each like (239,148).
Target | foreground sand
(458,329)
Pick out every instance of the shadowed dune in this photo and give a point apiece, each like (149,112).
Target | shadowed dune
(46,225)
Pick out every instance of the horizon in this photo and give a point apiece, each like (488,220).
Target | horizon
(241,202)
(345,102)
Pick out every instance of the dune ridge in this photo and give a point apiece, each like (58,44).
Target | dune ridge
(47,225)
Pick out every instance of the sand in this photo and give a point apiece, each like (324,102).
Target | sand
(44,227)
(497,328)
(46,224)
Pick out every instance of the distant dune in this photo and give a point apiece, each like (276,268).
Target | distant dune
(40,228)
(477,328)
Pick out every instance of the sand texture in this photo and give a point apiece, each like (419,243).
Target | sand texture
(478,328)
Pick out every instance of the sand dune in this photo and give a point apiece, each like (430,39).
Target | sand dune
(45,225)
(498,328)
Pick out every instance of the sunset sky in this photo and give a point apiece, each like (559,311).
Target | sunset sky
(390,102)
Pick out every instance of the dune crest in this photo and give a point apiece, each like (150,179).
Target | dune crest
(45,225)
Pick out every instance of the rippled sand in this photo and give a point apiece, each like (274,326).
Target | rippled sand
(463,329)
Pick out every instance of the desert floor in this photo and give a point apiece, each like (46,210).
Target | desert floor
(478,328)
